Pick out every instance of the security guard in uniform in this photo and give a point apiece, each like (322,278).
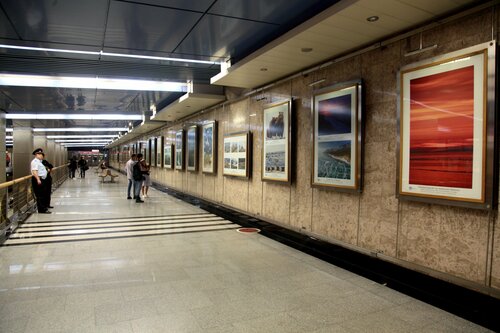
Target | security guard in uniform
(39,181)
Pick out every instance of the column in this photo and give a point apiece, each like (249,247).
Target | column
(22,151)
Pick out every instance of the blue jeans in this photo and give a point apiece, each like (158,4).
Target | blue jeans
(130,182)
(137,189)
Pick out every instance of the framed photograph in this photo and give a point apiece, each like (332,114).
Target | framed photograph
(179,150)
(337,137)
(276,142)
(153,151)
(168,155)
(159,151)
(237,154)
(192,148)
(445,120)
(146,151)
(209,153)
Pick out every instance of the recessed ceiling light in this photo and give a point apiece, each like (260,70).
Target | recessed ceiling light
(306,49)
(373,18)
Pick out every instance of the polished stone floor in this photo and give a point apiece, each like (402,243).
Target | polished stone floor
(102,263)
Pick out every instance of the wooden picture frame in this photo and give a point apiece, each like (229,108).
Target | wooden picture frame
(192,148)
(209,147)
(159,151)
(337,137)
(276,142)
(153,151)
(179,150)
(168,155)
(446,125)
(236,156)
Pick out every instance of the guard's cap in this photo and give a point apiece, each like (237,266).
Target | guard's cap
(37,151)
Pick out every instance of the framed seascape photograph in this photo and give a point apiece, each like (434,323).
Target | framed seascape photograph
(446,128)
(168,155)
(146,150)
(153,151)
(236,155)
(192,148)
(276,142)
(209,147)
(179,150)
(159,151)
(337,137)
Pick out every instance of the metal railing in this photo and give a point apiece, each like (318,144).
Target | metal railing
(17,200)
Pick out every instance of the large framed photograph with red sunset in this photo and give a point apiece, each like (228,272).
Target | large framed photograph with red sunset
(444,143)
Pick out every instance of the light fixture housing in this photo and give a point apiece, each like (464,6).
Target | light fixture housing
(71,116)
(22,80)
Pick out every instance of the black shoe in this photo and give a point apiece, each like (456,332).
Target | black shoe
(50,206)
(46,212)
(129,197)
(139,200)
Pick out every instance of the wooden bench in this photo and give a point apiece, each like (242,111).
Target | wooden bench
(107,173)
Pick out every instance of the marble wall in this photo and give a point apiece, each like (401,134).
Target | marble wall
(454,243)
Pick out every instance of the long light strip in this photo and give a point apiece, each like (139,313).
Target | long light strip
(84,144)
(89,83)
(63,116)
(102,53)
(83,140)
(76,136)
(82,129)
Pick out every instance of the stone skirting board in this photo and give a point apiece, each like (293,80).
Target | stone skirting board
(460,243)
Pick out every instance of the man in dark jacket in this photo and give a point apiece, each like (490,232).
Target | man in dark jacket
(138,178)
(48,189)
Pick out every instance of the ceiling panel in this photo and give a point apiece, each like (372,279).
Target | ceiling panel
(6,30)
(196,5)
(68,21)
(134,26)
(222,36)
(269,11)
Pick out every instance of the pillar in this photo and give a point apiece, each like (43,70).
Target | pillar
(22,151)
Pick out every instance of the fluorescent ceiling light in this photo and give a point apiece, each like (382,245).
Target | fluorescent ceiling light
(102,53)
(82,129)
(63,116)
(9,137)
(89,83)
(84,144)
(83,140)
(76,136)
(9,130)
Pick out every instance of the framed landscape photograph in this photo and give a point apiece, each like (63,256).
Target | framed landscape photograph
(236,155)
(276,142)
(179,150)
(209,147)
(153,151)
(444,122)
(337,137)
(159,151)
(146,151)
(192,148)
(168,155)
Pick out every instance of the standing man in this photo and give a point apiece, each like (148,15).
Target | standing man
(129,169)
(82,164)
(48,192)
(138,178)
(39,181)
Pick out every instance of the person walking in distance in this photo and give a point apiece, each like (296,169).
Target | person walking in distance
(39,181)
(129,170)
(82,164)
(138,178)
(72,167)
(48,192)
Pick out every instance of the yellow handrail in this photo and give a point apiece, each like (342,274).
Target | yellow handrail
(19,180)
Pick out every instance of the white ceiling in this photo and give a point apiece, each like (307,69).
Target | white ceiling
(338,30)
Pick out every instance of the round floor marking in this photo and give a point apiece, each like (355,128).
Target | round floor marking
(247,230)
